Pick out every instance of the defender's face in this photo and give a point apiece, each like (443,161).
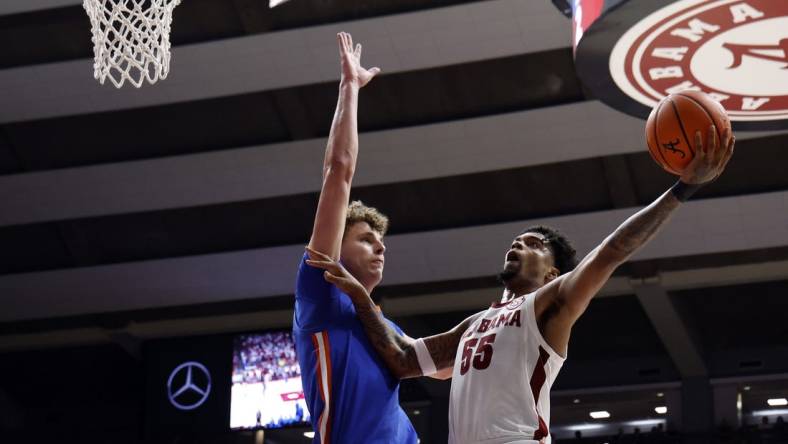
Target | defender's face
(528,257)
(363,254)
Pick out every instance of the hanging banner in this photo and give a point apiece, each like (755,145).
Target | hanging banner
(632,53)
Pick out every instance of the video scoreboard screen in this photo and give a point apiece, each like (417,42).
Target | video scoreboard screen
(266,382)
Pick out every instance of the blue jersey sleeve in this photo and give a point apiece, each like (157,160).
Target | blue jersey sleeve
(317,301)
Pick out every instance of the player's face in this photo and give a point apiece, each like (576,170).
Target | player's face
(528,258)
(363,253)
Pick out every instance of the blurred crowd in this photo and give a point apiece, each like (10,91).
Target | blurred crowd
(265,357)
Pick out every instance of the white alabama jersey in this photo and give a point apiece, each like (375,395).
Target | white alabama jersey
(500,386)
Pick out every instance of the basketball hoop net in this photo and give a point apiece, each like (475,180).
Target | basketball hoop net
(131,39)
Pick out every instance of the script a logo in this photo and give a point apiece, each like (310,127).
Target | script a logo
(760,52)
(189,385)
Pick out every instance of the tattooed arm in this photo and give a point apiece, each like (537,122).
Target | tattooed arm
(576,289)
(561,302)
(397,351)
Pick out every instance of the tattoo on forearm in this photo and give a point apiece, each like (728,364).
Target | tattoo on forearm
(642,226)
(398,353)
(443,347)
(399,356)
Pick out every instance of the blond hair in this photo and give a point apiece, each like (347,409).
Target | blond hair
(358,212)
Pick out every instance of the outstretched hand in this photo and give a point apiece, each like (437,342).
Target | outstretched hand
(336,274)
(710,159)
(350,57)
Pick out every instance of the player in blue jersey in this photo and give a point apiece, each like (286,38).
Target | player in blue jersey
(352,396)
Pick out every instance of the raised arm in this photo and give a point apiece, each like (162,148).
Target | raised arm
(570,294)
(397,351)
(339,163)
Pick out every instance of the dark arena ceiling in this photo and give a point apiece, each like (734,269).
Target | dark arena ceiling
(182,208)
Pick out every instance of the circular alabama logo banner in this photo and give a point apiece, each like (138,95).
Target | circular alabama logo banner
(734,50)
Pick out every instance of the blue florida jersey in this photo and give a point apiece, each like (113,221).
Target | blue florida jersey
(352,396)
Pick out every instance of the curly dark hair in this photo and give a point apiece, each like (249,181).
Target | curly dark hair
(564,253)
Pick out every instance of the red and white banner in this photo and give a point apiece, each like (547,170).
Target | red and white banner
(635,52)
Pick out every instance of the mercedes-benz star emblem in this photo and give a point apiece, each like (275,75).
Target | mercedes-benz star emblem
(192,385)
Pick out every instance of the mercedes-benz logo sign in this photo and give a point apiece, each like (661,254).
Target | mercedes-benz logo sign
(192,385)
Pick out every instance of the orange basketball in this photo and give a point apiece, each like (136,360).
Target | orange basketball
(671,126)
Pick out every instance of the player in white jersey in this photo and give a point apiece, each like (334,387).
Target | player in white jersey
(493,399)
(504,360)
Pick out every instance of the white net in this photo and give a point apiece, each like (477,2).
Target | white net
(131,39)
